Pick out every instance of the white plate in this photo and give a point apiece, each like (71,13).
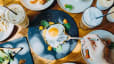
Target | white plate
(79,5)
(37,6)
(4,35)
(104,35)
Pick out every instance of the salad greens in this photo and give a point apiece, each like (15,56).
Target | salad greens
(5,56)
(70,7)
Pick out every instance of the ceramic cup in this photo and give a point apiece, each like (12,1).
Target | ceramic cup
(19,19)
(89,20)
(104,4)
(110,17)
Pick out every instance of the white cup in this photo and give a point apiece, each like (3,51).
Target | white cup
(104,4)
(110,17)
(19,19)
(89,18)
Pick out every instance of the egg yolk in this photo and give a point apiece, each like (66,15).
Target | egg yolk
(53,32)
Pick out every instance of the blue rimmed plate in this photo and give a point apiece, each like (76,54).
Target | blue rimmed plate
(37,42)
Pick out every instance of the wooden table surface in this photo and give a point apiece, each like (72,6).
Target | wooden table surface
(75,55)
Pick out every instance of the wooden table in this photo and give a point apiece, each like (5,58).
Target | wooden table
(75,55)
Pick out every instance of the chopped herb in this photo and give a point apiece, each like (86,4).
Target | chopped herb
(67,26)
(44,23)
(70,7)
(1,59)
(111,46)
(54,49)
(48,0)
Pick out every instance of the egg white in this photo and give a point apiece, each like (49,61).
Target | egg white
(53,41)
(60,28)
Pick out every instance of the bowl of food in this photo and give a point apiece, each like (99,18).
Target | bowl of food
(48,33)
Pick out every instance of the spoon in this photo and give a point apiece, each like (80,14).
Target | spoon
(10,10)
(4,5)
(67,38)
(78,38)
(104,15)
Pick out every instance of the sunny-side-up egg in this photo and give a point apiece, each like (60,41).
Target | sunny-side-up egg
(55,35)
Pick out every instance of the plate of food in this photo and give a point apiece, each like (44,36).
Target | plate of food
(75,6)
(6,29)
(37,5)
(7,54)
(15,52)
(106,36)
(48,34)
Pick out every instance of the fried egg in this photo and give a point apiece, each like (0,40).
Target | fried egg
(53,33)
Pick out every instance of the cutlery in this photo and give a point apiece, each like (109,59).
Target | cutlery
(104,15)
(4,5)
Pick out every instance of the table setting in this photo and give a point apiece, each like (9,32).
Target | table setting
(52,31)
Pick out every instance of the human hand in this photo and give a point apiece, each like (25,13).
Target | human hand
(96,48)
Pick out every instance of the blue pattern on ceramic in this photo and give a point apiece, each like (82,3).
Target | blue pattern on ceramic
(24,54)
(37,42)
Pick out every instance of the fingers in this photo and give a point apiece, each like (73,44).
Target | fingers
(98,42)
(94,44)
(89,47)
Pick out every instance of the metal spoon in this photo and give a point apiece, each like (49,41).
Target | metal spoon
(79,38)
(10,10)
(104,15)
(4,5)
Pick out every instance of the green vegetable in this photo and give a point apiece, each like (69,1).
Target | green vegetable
(59,48)
(70,7)
(48,0)
(44,23)
(5,57)
(54,49)
(111,46)
(1,59)
(67,26)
